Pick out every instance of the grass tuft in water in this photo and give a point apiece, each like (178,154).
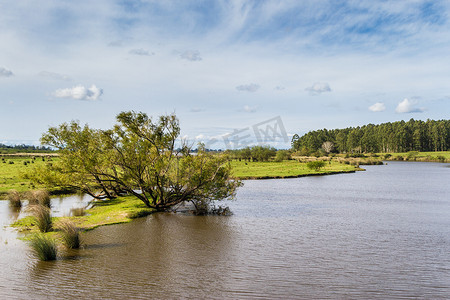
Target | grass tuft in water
(77,212)
(43,247)
(41,197)
(14,198)
(69,233)
(42,217)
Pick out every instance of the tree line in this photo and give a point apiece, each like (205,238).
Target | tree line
(400,136)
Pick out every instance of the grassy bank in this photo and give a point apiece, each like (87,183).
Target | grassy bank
(285,169)
(13,167)
(107,212)
(439,156)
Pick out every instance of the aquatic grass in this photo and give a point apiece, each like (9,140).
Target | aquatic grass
(42,217)
(44,247)
(69,233)
(14,199)
(41,197)
(77,211)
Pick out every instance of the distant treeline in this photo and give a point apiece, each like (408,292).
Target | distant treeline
(401,136)
(23,148)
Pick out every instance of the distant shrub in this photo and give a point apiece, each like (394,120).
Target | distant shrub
(399,157)
(387,155)
(315,165)
(282,155)
(11,162)
(43,247)
(441,158)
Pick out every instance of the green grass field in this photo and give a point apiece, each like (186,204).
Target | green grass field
(285,169)
(11,170)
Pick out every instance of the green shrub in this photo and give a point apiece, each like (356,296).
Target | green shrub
(441,158)
(43,247)
(315,165)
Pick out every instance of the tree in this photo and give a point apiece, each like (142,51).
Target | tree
(328,146)
(138,157)
(315,165)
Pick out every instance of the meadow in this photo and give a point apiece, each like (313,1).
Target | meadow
(12,169)
(285,169)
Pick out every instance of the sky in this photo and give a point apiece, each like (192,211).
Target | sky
(225,68)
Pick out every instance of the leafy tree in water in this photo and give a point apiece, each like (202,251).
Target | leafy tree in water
(137,156)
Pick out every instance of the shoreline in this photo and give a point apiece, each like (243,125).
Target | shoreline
(297,176)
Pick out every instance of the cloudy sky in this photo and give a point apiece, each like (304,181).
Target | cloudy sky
(222,66)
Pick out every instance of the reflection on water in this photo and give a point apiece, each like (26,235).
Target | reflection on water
(383,233)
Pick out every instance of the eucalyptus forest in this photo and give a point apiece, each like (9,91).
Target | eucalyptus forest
(401,136)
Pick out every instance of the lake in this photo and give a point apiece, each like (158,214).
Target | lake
(379,234)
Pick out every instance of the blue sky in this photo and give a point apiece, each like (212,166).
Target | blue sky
(222,65)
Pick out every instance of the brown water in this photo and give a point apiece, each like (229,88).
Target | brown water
(383,233)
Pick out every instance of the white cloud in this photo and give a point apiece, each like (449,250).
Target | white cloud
(318,88)
(279,88)
(406,106)
(377,107)
(52,75)
(252,87)
(5,72)
(196,109)
(79,92)
(249,109)
(192,55)
(142,52)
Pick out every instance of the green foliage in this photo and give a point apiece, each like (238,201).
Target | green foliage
(414,135)
(316,165)
(282,155)
(412,154)
(43,247)
(69,234)
(138,157)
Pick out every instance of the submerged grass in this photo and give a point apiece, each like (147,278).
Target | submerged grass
(44,247)
(42,217)
(14,199)
(41,197)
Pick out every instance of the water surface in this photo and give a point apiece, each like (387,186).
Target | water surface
(383,233)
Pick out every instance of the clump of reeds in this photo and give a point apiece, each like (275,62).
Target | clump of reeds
(14,198)
(42,217)
(43,247)
(41,197)
(69,234)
